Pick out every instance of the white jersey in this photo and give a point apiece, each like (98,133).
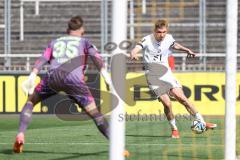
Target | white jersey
(159,75)
(155,51)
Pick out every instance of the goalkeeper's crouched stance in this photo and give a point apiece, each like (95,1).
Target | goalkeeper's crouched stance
(67,57)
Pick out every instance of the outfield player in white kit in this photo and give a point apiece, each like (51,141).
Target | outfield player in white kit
(157,47)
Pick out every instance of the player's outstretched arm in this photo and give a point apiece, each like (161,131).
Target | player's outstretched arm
(29,84)
(179,47)
(134,53)
(98,61)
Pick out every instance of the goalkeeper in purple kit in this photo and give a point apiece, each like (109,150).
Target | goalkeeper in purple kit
(67,57)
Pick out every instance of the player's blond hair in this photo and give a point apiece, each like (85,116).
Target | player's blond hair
(161,23)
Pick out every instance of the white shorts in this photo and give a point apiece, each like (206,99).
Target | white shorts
(160,80)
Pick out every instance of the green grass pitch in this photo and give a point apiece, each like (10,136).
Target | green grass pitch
(49,138)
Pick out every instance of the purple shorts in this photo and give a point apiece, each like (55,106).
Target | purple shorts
(75,89)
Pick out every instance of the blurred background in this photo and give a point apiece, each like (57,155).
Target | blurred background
(27,26)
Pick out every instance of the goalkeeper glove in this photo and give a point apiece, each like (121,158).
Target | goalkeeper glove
(29,84)
(106,77)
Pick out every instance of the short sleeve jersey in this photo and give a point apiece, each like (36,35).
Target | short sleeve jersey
(69,54)
(155,51)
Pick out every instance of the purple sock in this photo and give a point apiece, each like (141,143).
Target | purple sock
(102,124)
(25,117)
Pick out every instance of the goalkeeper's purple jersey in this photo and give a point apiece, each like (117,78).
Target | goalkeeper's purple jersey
(69,54)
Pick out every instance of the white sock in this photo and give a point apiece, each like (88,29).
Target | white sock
(173,124)
(198,116)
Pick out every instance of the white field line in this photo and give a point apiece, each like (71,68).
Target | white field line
(130,144)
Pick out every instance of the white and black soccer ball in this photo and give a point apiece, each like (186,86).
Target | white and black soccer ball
(198,127)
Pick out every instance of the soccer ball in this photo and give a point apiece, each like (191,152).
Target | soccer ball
(198,127)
